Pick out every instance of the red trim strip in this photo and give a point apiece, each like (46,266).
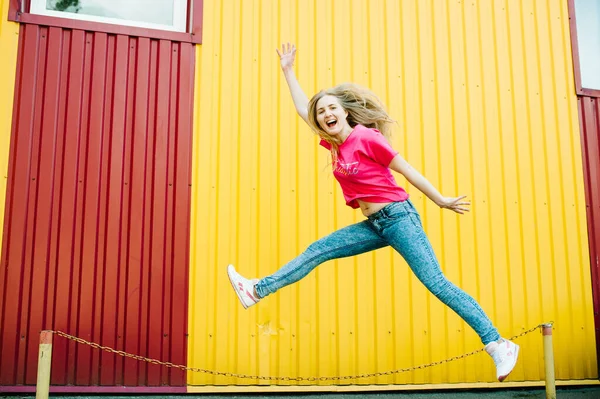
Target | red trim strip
(15,13)
(197,8)
(588,92)
(14,7)
(106,28)
(94,389)
(46,337)
(546,330)
(589,122)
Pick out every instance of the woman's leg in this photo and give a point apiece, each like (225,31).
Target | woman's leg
(405,234)
(348,241)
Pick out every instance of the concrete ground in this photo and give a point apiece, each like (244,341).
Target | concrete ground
(520,393)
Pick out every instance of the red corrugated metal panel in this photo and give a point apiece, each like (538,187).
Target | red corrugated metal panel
(96,232)
(589,117)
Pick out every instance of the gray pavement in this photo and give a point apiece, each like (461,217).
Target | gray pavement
(521,393)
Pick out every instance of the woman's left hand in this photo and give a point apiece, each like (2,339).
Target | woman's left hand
(455,204)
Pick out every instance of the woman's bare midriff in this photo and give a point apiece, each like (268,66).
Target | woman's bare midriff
(369,208)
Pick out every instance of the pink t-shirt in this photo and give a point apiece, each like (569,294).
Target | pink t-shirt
(361,168)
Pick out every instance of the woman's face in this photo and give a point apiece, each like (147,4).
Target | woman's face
(332,117)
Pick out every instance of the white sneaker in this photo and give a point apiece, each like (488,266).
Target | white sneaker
(243,287)
(505,354)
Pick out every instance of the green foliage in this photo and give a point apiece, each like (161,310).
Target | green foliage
(62,5)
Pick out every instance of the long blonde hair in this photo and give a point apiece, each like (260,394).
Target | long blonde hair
(362,105)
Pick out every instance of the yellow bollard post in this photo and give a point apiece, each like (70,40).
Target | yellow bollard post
(549,361)
(42,390)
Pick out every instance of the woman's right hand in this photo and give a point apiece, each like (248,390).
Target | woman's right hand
(287,55)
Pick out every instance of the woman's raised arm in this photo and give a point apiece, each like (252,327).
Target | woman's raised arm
(287,56)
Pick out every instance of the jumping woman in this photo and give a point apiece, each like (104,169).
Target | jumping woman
(353,126)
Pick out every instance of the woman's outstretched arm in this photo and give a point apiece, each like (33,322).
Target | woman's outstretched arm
(415,178)
(287,55)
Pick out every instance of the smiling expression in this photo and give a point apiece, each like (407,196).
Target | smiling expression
(332,117)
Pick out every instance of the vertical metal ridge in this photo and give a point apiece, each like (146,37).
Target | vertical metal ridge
(54,119)
(237,72)
(578,162)
(32,202)
(6,237)
(556,146)
(105,215)
(218,37)
(392,347)
(513,123)
(431,79)
(3,7)
(539,93)
(53,257)
(589,111)
(529,150)
(104,334)
(280,367)
(5,215)
(99,86)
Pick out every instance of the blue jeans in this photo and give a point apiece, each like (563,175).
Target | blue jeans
(398,225)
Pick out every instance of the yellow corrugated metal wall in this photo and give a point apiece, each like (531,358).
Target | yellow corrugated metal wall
(483,93)
(9,42)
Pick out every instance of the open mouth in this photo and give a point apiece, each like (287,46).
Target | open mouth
(330,124)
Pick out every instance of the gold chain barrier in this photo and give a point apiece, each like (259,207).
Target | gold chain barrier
(46,339)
